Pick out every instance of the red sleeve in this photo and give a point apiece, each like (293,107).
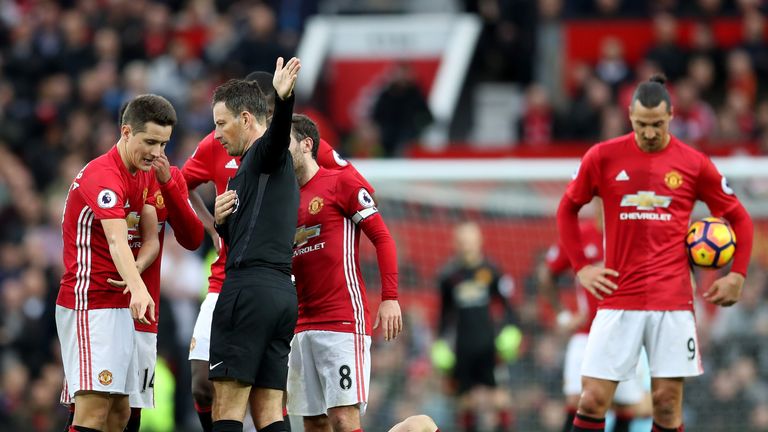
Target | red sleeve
(386,254)
(198,168)
(358,205)
(580,191)
(186,226)
(743,228)
(569,232)
(104,192)
(712,188)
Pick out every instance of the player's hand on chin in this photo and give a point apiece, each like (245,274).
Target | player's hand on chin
(390,318)
(595,280)
(162,169)
(725,291)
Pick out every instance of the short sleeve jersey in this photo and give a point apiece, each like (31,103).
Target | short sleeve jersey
(557,262)
(211,162)
(103,189)
(647,202)
(326,264)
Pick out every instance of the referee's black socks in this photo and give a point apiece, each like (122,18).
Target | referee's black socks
(278,426)
(227,426)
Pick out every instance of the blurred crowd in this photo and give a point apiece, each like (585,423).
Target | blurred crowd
(66,67)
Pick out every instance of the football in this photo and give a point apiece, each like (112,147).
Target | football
(710,243)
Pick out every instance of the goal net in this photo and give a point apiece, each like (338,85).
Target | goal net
(514,203)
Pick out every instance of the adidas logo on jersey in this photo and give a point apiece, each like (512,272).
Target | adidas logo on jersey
(622,176)
(231,164)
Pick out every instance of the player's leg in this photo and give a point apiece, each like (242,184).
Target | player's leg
(574,354)
(667,404)
(278,321)
(146,348)
(119,413)
(318,423)
(673,354)
(464,377)
(100,359)
(417,423)
(342,361)
(202,388)
(236,348)
(613,349)
(229,404)
(345,418)
(134,423)
(305,392)
(630,395)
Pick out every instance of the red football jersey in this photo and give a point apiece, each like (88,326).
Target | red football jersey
(647,202)
(151,275)
(558,262)
(325,256)
(210,162)
(103,189)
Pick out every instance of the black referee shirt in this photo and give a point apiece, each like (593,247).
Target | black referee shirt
(260,231)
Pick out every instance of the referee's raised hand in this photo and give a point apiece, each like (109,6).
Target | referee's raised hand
(285,76)
(225,206)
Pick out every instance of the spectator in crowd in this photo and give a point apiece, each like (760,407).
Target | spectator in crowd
(666,50)
(694,119)
(537,124)
(611,67)
(400,111)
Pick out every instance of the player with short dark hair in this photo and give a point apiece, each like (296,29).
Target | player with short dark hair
(94,318)
(255,315)
(330,361)
(648,181)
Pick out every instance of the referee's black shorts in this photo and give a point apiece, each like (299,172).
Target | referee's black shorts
(252,328)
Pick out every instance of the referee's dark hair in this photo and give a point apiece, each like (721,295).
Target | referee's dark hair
(303,127)
(241,95)
(652,92)
(147,108)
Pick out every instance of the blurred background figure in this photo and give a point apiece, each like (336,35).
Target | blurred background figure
(400,111)
(470,284)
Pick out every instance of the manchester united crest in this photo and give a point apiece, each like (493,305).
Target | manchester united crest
(159,201)
(144,195)
(315,205)
(673,179)
(105,377)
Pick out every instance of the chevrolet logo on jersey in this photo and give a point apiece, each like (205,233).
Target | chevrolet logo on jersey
(303,234)
(646,200)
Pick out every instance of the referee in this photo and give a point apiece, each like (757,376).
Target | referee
(255,315)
